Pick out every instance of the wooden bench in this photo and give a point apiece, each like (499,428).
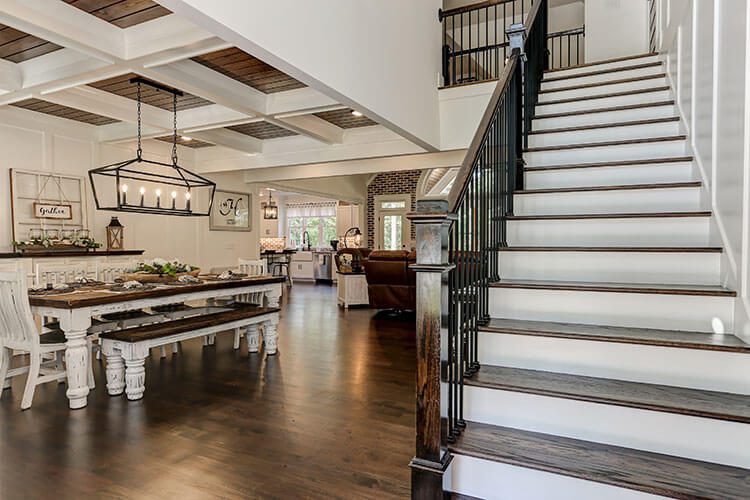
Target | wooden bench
(126,350)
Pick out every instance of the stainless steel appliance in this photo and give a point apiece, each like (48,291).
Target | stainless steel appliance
(323,266)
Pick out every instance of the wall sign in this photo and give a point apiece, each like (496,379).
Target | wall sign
(53,211)
(230,211)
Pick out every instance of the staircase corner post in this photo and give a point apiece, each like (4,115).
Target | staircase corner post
(432,222)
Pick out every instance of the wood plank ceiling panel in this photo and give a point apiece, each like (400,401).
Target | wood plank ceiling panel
(244,68)
(121,13)
(120,85)
(345,119)
(262,130)
(17,46)
(59,111)
(192,143)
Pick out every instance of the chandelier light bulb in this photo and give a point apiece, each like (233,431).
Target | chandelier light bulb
(124,188)
(174,194)
(142,190)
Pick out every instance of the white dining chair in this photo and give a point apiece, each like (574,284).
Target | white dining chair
(251,268)
(110,271)
(18,332)
(59,273)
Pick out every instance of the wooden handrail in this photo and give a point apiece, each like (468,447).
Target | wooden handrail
(464,173)
(472,7)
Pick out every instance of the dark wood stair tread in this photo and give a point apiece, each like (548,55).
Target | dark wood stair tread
(616,163)
(604,96)
(634,215)
(649,472)
(653,397)
(605,61)
(610,109)
(618,69)
(588,286)
(619,334)
(604,144)
(618,187)
(612,249)
(652,121)
(604,83)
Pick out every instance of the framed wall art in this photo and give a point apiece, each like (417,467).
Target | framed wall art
(230,211)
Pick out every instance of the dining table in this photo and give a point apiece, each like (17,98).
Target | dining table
(76,308)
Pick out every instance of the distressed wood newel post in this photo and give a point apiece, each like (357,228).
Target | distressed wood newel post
(431,459)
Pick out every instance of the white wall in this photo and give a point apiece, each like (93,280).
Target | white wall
(615,28)
(31,141)
(705,44)
(381,56)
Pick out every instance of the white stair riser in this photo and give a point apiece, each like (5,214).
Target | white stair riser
(606,77)
(665,231)
(614,267)
(490,480)
(694,368)
(607,88)
(604,102)
(606,117)
(653,431)
(601,67)
(605,134)
(615,201)
(636,151)
(602,176)
(645,310)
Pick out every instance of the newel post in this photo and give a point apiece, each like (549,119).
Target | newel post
(432,222)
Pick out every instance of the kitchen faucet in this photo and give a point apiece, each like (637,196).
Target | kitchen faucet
(306,238)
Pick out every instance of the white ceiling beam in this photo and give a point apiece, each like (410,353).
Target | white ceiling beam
(199,80)
(182,52)
(65,25)
(11,77)
(306,100)
(115,133)
(163,34)
(313,127)
(211,116)
(230,139)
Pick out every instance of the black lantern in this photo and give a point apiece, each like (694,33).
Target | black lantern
(115,237)
(149,179)
(270,210)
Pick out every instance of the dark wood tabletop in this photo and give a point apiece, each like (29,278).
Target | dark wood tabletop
(100,296)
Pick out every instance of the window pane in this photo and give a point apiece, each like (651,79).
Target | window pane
(393,204)
(392,232)
(313,229)
(329,230)
(295,230)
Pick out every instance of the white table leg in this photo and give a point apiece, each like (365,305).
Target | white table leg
(270,337)
(115,373)
(135,370)
(252,334)
(74,324)
(273,295)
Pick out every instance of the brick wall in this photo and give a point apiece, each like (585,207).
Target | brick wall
(390,183)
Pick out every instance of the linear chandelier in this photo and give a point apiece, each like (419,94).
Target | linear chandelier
(161,188)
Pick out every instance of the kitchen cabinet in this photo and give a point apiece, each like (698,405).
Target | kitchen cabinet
(301,266)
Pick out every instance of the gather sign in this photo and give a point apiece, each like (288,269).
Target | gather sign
(52,211)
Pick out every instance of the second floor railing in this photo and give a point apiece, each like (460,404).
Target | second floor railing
(566,48)
(458,247)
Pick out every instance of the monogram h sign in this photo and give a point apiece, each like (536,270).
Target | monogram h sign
(230,211)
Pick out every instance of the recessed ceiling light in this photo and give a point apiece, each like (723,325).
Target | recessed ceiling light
(356,113)
(186,138)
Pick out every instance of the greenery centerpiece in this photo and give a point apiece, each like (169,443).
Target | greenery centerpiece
(160,271)
(45,243)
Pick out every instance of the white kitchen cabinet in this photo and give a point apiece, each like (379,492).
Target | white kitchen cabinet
(301,266)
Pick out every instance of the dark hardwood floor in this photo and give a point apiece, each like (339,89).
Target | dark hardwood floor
(331,416)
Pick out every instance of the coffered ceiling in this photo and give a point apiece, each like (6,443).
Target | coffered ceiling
(17,46)
(120,85)
(121,13)
(188,143)
(345,119)
(63,112)
(262,130)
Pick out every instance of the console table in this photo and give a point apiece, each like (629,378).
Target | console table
(352,289)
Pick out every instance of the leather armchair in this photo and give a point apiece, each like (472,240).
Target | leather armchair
(390,282)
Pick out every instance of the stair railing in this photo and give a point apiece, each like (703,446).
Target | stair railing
(458,244)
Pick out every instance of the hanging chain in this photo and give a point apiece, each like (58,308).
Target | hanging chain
(174,130)
(139,151)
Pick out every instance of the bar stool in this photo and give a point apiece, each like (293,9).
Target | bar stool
(281,267)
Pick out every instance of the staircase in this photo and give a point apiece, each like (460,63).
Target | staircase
(608,368)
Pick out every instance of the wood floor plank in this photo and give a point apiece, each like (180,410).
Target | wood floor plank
(584,286)
(654,397)
(620,334)
(617,466)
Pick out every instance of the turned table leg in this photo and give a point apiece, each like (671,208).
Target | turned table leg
(270,336)
(252,334)
(77,356)
(115,373)
(135,370)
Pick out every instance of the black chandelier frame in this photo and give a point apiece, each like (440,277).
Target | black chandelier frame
(174,175)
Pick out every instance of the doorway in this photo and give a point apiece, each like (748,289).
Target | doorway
(392,228)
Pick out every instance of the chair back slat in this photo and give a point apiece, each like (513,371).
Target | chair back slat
(59,273)
(252,268)
(110,271)
(17,324)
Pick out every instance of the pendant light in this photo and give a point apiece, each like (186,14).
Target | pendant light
(270,210)
(137,185)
